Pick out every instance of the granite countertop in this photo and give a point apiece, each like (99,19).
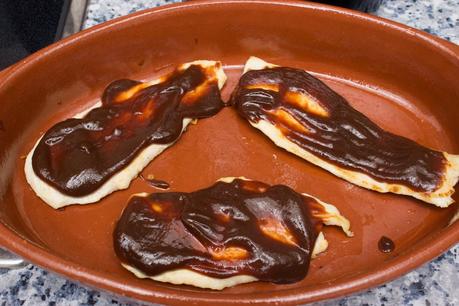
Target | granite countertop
(434,283)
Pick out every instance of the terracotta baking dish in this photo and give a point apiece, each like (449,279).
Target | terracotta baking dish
(405,80)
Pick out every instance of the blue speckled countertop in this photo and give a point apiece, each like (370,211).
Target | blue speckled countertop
(435,283)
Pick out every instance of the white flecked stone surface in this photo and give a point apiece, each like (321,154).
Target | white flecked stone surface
(435,283)
(438,17)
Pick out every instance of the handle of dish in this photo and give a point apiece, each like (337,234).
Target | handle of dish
(11,261)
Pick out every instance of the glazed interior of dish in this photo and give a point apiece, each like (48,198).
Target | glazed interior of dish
(391,77)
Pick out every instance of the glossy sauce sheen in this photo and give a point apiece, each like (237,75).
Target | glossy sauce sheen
(160,184)
(228,229)
(77,156)
(320,121)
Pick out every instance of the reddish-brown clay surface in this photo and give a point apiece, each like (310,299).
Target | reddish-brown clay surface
(404,80)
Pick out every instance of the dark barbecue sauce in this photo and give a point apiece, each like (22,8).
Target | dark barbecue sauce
(160,184)
(320,121)
(386,245)
(77,156)
(228,229)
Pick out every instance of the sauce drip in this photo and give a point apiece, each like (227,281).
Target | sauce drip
(237,228)
(160,184)
(314,117)
(386,245)
(77,156)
